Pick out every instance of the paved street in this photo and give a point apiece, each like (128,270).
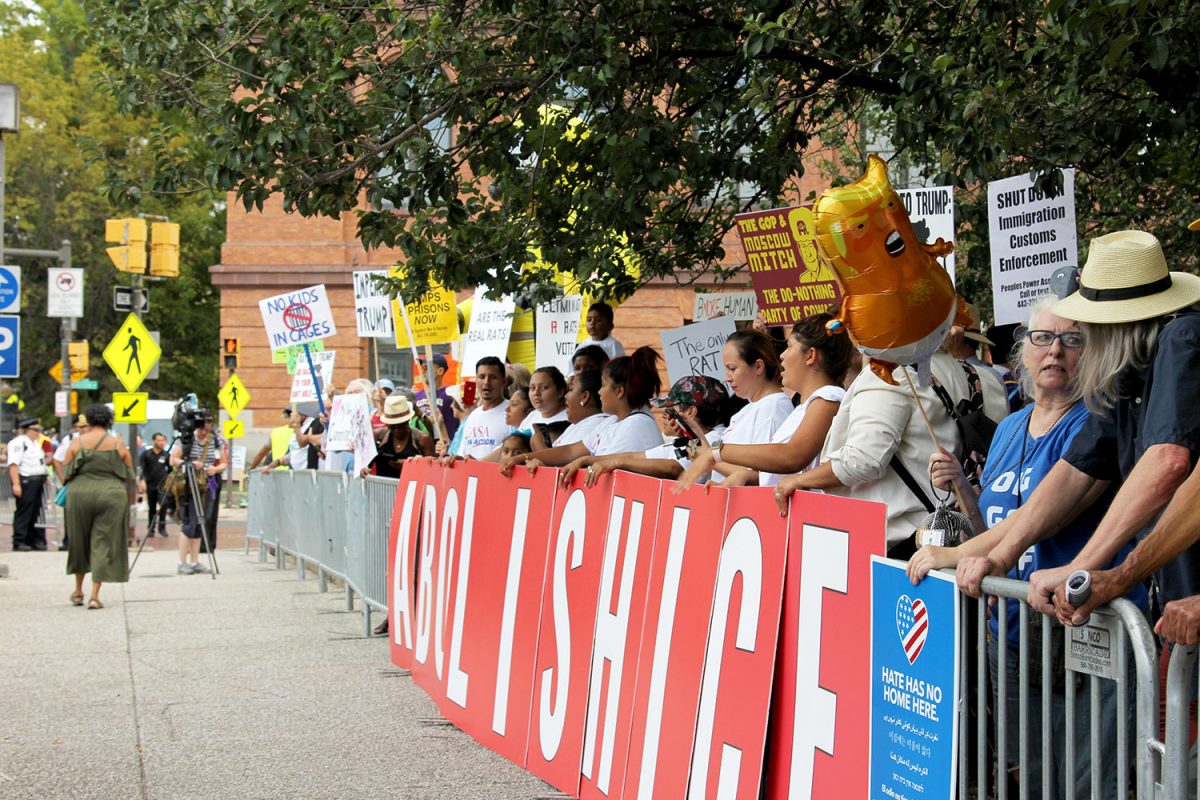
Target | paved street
(250,686)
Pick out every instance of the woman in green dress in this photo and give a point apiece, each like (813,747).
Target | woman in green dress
(99,473)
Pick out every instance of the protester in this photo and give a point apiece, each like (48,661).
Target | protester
(343,460)
(277,444)
(99,475)
(547,393)
(153,465)
(813,367)
(1026,446)
(588,357)
(752,372)
(207,455)
(519,407)
(963,344)
(27,471)
(515,444)
(444,404)
(516,376)
(484,429)
(402,440)
(599,324)
(584,412)
(379,395)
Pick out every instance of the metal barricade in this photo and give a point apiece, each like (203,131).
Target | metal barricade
(1181,762)
(380,495)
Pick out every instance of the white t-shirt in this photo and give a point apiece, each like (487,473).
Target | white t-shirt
(757,422)
(484,431)
(637,433)
(587,431)
(783,433)
(535,418)
(609,345)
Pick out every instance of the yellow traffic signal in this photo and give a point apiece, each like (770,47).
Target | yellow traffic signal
(131,233)
(164,249)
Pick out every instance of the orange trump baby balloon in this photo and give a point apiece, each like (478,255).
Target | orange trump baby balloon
(898,302)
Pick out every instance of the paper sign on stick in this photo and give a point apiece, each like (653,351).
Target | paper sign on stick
(350,429)
(372,306)
(491,325)
(434,318)
(738,305)
(558,332)
(696,349)
(790,280)
(931,211)
(303,390)
(297,317)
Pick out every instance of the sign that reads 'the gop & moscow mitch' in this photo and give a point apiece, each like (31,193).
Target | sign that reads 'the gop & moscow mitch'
(790,280)
(297,317)
(1031,235)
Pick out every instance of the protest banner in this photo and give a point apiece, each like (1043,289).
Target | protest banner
(433,318)
(931,211)
(294,353)
(303,390)
(557,332)
(915,667)
(790,280)
(696,349)
(1031,235)
(740,306)
(418,480)
(350,429)
(819,716)
(297,317)
(491,324)
(372,306)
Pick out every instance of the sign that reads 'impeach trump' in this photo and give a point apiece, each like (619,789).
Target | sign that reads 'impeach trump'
(297,317)
(790,280)
(372,306)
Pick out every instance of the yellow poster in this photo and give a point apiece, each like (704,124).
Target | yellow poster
(433,318)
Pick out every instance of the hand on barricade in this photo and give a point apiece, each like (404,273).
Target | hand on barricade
(929,558)
(1103,588)
(440,447)
(532,464)
(971,572)
(1180,623)
(448,460)
(1042,586)
(783,491)
(568,472)
(596,471)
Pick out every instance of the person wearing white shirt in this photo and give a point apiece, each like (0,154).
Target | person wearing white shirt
(484,428)
(813,366)
(587,419)
(27,471)
(599,324)
(547,395)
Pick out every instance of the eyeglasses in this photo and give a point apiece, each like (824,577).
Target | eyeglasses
(1072,339)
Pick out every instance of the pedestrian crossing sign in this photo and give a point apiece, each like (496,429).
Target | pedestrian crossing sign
(132,353)
(130,407)
(233,395)
(234,428)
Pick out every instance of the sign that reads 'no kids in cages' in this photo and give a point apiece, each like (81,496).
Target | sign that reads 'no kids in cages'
(297,317)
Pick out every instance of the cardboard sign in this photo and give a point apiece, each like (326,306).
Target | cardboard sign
(915,667)
(303,390)
(491,325)
(433,318)
(696,349)
(372,306)
(741,306)
(297,317)
(1030,236)
(931,211)
(790,280)
(822,674)
(350,429)
(557,332)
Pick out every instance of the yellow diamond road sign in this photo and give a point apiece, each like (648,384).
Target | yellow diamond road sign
(132,353)
(233,395)
(130,407)
(234,428)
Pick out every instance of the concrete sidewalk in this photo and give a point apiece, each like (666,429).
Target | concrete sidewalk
(253,685)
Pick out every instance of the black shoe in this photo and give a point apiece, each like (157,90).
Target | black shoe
(382,628)
(22,548)
(40,546)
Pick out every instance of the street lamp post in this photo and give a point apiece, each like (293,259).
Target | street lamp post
(10,113)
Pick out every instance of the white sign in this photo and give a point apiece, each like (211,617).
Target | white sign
(735,305)
(237,459)
(62,404)
(10,290)
(491,324)
(1031,236)
(64,292)
(557,332)
(372,306)
(696,349)
(303,390)
(297,317)
(350,429)
(931,211)
(1092,648)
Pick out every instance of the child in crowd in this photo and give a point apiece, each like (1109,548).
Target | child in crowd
(515,444)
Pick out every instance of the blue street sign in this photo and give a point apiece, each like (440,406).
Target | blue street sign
(10,347)
(10,290)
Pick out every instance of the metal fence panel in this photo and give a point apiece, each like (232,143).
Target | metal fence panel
(381,497)
(328,523)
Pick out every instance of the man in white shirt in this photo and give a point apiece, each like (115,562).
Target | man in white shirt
(599,327)
(27,471)
(484,428)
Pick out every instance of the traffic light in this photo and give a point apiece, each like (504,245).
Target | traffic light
(130,256)
(230,353)
(164,249)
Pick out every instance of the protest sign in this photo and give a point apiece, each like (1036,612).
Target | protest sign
(372,306)
(736,305)
(303,390)
(293,353)
(491,324)
(696,349)
(790,280)
(931,211)
(915,661)
(557,332)
(1031,235)
(433,318)
(350,429)
(297,317)
(238,460)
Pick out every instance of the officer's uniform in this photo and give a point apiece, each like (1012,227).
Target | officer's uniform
(29,458)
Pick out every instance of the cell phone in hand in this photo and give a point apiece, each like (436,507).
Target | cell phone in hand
(677,418)
(468,392)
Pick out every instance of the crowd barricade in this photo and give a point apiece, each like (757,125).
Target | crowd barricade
(1181,761)
(625,641)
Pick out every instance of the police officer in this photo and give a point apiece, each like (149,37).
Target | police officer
(27,471)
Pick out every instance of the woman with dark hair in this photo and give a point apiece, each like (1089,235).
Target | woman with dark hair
(813,366)
(99,474)
(547,388)
(752,371)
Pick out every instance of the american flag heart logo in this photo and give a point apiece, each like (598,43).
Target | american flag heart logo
(912,623)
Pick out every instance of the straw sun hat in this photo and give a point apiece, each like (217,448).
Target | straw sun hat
(1126,279)
(396,410)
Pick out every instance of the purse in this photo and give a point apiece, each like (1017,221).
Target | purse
(60,499)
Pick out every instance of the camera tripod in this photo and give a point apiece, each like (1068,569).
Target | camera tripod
(192,487)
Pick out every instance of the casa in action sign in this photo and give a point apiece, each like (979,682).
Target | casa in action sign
(790,279)
(132,353)
(297,317)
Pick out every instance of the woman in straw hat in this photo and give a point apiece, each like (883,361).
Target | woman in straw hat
(402,441)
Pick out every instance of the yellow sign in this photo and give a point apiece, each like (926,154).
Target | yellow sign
(130,407)
(80,354)
(433,318)
(132,353)
(233,395)
(234,429)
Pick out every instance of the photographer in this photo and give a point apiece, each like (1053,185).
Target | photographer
(206,453)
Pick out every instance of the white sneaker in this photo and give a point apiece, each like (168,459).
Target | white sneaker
(184,568)
(200,569)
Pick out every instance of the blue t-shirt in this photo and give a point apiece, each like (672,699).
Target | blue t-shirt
(1014,452)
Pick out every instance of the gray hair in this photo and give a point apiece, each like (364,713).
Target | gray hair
(1016,358)
(1111,348)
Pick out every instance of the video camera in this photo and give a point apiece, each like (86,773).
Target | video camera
(188,416)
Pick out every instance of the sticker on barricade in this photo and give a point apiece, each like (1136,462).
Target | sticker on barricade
(1092,648)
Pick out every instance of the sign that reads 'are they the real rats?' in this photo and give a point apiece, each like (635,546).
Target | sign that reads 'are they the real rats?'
(790,280)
